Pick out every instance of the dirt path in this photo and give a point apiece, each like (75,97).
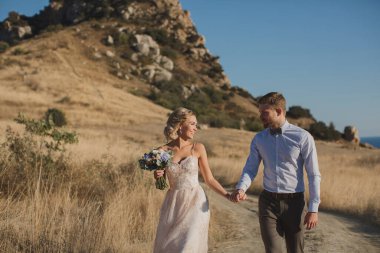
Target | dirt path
(335,234)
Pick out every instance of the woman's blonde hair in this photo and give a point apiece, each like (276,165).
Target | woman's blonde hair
(174,122)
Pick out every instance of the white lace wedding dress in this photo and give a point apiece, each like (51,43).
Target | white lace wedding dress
(184,215)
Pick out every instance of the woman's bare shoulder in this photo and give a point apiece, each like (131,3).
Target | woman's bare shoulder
(199,145)
(199,148)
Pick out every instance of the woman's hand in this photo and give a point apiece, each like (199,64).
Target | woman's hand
(158,173)
(238,195)
(228,195)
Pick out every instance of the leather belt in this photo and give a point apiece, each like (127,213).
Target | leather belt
(275,195)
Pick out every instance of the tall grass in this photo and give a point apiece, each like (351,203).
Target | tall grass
(53,202)
(103,205)
(84,213)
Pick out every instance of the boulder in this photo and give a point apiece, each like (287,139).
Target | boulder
(351,134)
(146,45)
(110,54)
(186,92)
(23,31)
(135,57)
(155,73)
(162,75)
(97,55)
(166,63)
(126,16)
(14,28)
(367,145)
(110,40)
(149,71)
(198,53)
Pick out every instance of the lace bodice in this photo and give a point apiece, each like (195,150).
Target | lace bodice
(183,175)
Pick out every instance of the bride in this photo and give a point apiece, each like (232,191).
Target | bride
(184,215)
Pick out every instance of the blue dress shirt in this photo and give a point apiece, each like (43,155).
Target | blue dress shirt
(284,157)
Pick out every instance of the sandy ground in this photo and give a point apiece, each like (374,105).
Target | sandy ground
(335,233)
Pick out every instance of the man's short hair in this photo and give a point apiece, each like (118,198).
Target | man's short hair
(274,99)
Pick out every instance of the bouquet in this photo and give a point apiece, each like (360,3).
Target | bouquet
(157,159)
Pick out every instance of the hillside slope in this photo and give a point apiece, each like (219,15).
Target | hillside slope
(152,47)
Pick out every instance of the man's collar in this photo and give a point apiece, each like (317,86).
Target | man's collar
(279,130)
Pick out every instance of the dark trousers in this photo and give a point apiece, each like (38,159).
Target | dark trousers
(282,216)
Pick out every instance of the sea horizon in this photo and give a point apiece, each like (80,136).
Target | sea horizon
(373,140)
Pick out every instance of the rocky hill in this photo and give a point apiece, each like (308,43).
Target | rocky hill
(148,48)
(152,47)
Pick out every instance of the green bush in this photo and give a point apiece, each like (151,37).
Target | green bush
(169,95)
(200,103)
(215,71)
(13,17)
(31,158)
(53,28)
(20,51)
(207,103)
(123,39)
(298,112)
(159,35)
(214,94)
(163,38)
(182,76)
(169,52)
(241,92)
(55,117)
(253,124)
(3,46)
(322,132)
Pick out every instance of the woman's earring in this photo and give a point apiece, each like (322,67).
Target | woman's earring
(180,131)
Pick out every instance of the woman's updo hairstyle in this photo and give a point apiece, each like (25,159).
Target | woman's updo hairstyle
(176,118)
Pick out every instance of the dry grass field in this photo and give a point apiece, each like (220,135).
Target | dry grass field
(101,201)
(107,204)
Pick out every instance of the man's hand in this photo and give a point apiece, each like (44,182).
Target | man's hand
(158,173)
(238,195)
(311,220)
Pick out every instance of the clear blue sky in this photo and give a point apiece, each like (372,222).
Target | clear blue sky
(323,54)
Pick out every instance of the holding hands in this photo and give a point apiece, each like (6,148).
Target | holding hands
(237,196)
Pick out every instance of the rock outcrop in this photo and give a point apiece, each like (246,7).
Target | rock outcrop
(351,134)
(167,16)
(14,28)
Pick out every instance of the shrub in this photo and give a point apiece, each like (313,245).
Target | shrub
(253,124)
(215,71)
(200,103)
(123,39)
(298,112)
(3,46)
(27,160)
(163,38)
(13,17)
(214,94)
(55,117)
(169,52)
(20,51)
(159,35)
(53,28)
(241,92)
(169,95)
(320,131)
(183,76)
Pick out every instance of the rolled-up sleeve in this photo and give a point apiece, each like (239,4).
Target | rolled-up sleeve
(251,167)
(309,154)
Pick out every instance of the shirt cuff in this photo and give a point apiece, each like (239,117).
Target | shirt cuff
(241,186)
(313,207)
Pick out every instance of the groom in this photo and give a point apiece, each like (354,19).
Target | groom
(284,149)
